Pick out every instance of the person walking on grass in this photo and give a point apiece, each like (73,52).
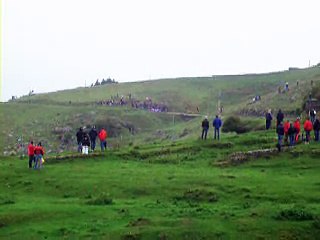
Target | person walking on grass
(280,132)
(307,128)
(38,152)
(31,153)
(205,127)
(80,139)
(103,139)
(296,126)
(291,133)
(217,123)
(316,129)
(280,117)
(268,119)
(93,136)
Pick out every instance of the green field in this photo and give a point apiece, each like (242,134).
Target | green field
(158,180)
(166,191)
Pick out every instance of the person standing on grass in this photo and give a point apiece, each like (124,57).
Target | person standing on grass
(291,132)
(103,139)
(217,123)
(38,152)
(316,129)
(280,132)
(31,153)
(93,136)
(296,126)
(268,119)
(286,127)
(79,139)
(85,144)
(205,127)
(307,128)
(280,117)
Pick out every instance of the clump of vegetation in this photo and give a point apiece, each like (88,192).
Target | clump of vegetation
(198,195)
(238,125)
(102,199)
(295,214)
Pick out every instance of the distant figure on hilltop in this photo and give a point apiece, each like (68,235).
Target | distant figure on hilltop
(205,127)
(79,139)
(93,136)
(217,123)
(103,139)
(268,119)
(280,117)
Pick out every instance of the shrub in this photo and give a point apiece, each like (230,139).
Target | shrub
(234,124)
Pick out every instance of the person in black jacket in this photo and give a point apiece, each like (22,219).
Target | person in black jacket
(93,136)
(205,128)
(316,128)
(280,117)
(268,119)
(291,133)
(80,139)
(280,132)
(85,144)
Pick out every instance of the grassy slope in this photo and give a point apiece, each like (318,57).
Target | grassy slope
(35,117)
(166,191)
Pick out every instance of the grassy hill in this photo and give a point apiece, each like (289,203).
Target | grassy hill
(158,180)
(55,117)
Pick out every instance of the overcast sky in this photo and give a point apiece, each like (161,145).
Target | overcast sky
(50,45)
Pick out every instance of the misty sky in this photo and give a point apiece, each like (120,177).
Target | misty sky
(50,45)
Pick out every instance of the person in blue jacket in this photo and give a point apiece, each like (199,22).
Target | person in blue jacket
(217,123)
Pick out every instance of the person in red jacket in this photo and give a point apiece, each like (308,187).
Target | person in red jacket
(286,127)
(103,136)
(296,126)
(31,153)
(38,152)
(307,128)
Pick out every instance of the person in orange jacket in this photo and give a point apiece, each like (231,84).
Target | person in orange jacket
(307,128)
(103,136)
(286,127)
(38,152)
(296,126)
(31,153)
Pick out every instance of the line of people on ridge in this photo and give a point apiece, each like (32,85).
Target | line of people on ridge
(35,154)
(86,140)
(292,130)
(216,123)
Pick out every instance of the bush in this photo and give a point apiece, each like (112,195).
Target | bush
(234,124)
